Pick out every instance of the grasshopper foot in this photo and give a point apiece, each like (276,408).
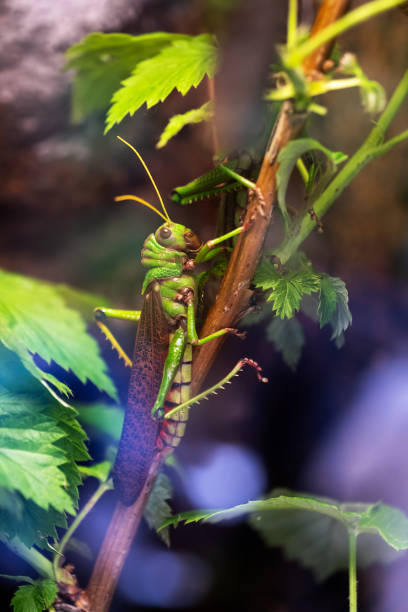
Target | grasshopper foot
(236,332)
(157,413)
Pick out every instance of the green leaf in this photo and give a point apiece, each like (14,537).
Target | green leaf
(287,160)
(157,509)
(35,320)
(288,288)
(390,523)
(40,438)
(288,338)
(40,441)
(313,530)
(35,597)
(102,61)
(333,305)
(98,470)
(177,122)
(181,65)
(318,541)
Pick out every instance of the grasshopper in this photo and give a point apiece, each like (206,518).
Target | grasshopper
(159,388)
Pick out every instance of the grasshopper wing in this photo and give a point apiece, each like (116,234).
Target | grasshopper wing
(137,445)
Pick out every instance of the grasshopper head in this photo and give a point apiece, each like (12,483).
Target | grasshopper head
(177,238)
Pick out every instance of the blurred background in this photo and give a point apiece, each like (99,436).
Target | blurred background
(338,425)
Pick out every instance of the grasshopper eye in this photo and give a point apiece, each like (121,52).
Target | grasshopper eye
(165,233)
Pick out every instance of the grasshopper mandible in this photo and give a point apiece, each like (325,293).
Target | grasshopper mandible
(159,388)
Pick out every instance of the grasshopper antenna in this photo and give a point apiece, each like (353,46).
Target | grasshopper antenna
(127,197)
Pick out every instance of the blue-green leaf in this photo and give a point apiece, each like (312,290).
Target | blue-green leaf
(333,305)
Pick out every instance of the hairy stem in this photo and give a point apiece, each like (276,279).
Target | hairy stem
(116,545)
(32,556)
(372,147)
(58,557)
(352,571)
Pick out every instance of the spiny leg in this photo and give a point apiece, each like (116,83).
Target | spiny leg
(101,314)
(173,360)
(219,385)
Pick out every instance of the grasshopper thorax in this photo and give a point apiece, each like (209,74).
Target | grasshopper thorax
(177,237)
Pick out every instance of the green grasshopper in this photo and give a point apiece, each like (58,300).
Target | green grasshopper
(159,388)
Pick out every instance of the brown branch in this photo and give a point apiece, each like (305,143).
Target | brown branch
(231,301)
(234,293)
(115,548)
(330,11)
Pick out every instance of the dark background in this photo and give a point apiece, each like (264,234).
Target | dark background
(338,425)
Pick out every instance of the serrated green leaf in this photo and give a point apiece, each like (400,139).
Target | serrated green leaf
(287,288)
(313,530)
(102,61)
(40,443)
(318,542)
(177,122)
(287,160)
(181,65)
(157,509)
(98,470)
(333,305)
(288,338)
(35,320)
(30,462)
(35,597)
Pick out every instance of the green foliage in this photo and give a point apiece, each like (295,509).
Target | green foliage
(35,320)
(177,122)
(287,161)
(181,65)
(313,530)
(35,597)
(322,297)
(157,509)
(288,338)
(103,61)
(40,444)
(288,288)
